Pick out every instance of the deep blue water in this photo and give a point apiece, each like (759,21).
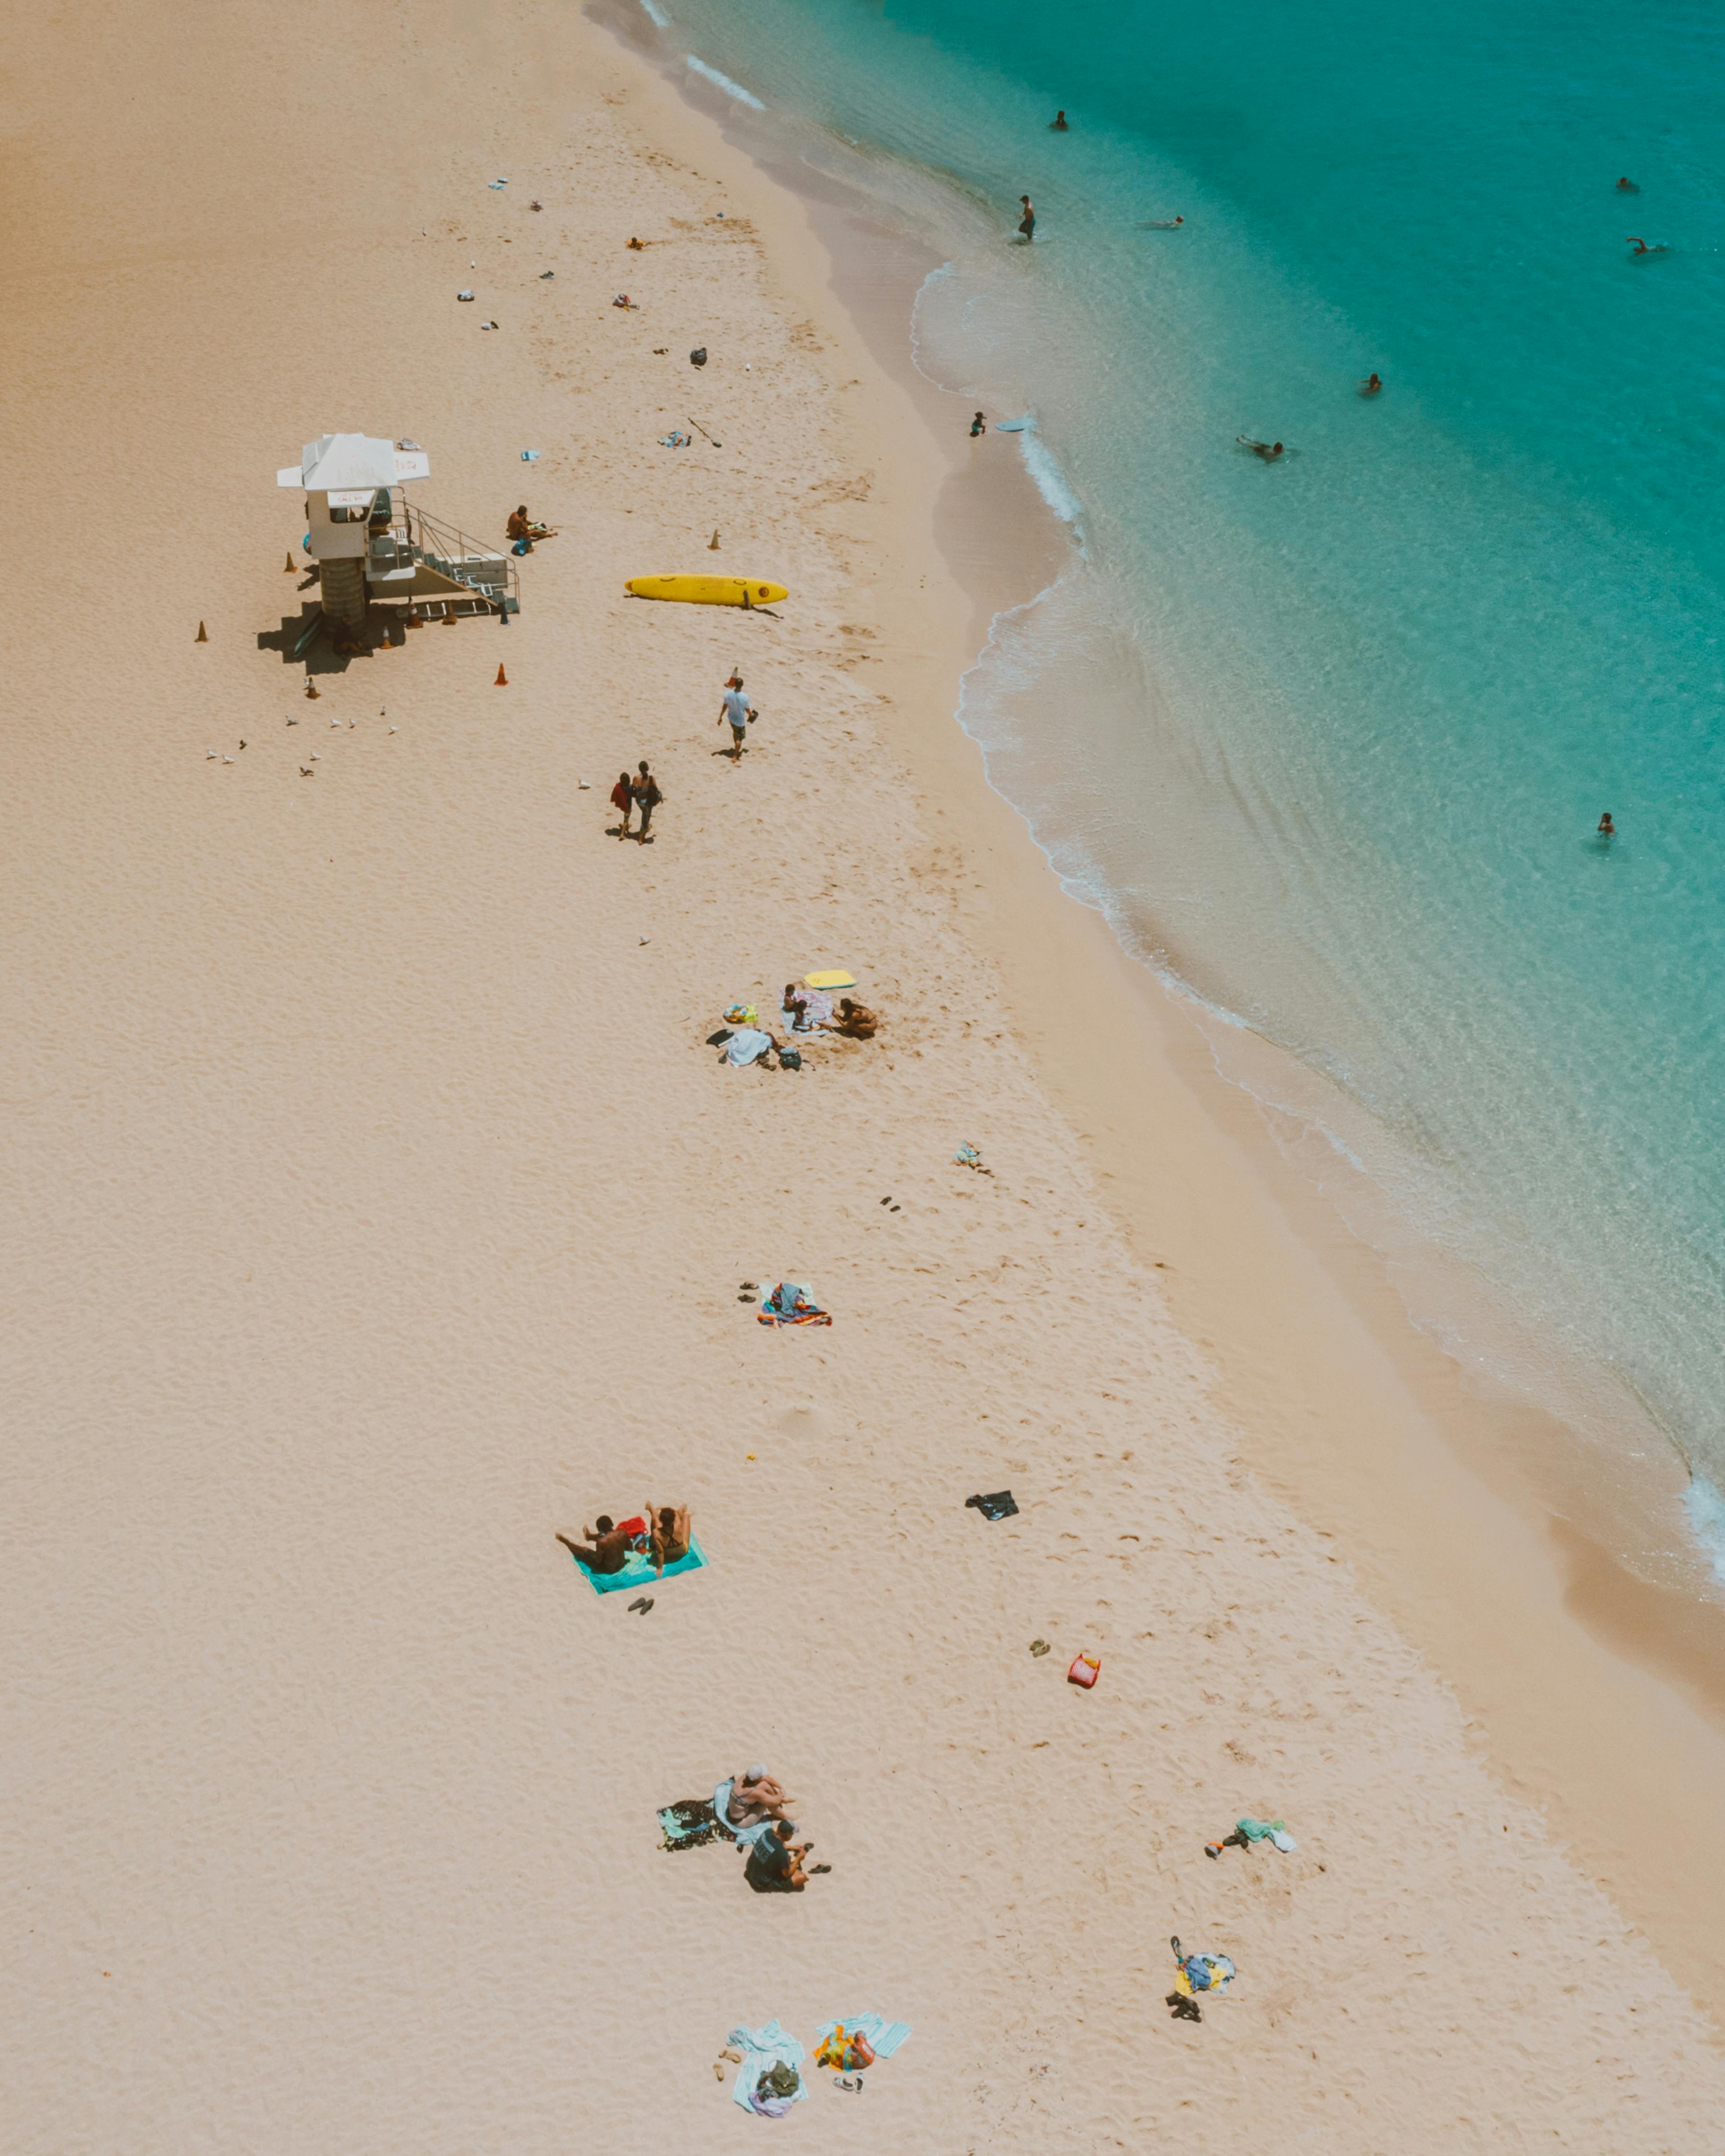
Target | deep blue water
(1329,738)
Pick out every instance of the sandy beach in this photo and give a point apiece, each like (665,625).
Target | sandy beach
(377,1210)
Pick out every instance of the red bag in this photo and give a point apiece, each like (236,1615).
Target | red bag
(1084,1670)
(862,2052)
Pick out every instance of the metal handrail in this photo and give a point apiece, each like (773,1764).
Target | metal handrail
(429,535)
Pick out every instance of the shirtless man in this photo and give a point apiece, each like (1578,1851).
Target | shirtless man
(1607,829)
(604,1550)
(1642,246)
(1027,223)
(1270,451)
(523,532)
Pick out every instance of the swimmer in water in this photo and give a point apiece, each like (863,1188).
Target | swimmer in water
(1641,247)
(1627,187)
(1057,126)
(1027,223)
(1371,384)
(1607,829)
(1161,223)
(1270,451)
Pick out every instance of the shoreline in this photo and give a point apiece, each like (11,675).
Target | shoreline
(382,1208)
(1427,1474)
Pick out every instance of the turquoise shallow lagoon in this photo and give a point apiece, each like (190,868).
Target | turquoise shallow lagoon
(1328,738)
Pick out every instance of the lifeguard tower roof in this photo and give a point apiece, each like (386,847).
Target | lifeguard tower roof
(339,463)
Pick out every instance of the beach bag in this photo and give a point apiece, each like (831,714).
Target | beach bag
(778,2080)
(860,2053)
(1084,1670)
(790,1059)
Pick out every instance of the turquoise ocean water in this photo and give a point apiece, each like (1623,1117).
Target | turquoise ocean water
(1328,739)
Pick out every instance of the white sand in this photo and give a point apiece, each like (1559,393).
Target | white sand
(375,1209)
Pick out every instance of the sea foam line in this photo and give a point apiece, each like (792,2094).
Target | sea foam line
(657,14)
(724,82)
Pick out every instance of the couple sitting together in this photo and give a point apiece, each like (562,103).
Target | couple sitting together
(810,1010)
(662,1535)
(750,1808)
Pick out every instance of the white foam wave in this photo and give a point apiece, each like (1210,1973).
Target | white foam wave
(1706,1508)
(657,13)
(723,82)
(1050,481)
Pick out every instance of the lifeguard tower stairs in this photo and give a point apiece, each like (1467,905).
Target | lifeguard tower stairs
(416,556)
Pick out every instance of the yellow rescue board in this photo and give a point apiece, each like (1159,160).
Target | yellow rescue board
(708,590)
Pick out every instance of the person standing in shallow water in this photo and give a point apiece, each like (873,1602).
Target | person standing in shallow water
(1057,126)
(1607,829)
(1027,223)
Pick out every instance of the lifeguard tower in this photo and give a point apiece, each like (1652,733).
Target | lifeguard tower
(368,542)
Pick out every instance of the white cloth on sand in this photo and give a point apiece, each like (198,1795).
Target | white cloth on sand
(745,1045)
(760,2048)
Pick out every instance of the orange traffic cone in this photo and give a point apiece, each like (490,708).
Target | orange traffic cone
(412,621)
(311,690)
(502,680)
(287,567)
(203,635)
(448,617)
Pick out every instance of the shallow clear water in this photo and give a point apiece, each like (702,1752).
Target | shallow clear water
(1329,738)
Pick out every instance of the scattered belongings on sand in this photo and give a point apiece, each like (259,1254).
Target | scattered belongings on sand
(968,1157)
(698,357)
(999,1505)
(851,2045)
(1040,1647)
(769,2079)
(467,294)
(1084,1670)
(791,1303)
(1197,1975)
(1248,1833)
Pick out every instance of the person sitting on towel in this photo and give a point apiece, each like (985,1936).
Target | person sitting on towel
(796,1008)
(669,1535)
(775,1862)
(755,1795)
(855,1021)
(605,1550)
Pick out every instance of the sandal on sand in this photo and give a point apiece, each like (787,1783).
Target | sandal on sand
(735,2056)
(815,1870)
(1039,1647)
(853,2083)
(642,1602)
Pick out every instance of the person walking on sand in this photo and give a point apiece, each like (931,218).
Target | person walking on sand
(645,789)
(979,425)
(623,801)
(736,710)
(1027,223)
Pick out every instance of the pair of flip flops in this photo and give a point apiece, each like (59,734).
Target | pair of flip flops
(853,2082)
(643,1603)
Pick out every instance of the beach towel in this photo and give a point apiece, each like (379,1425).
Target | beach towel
(745,1045)
(790,1304)
(744,1836)
(690,1824)
(638,1570)
(1199,1973)
(884,2036)
(761,2048)
(1270,1831)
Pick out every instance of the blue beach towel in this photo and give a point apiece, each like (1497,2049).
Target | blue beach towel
(638,1571)
(760,2048)
(886,2036)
